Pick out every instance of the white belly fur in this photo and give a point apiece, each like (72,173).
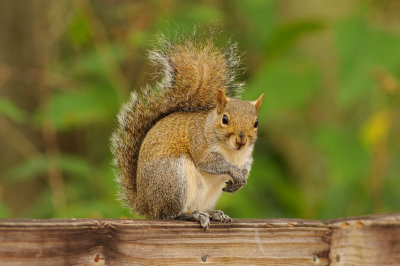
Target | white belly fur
(204,189)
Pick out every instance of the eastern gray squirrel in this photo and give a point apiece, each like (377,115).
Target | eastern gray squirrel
(181,141)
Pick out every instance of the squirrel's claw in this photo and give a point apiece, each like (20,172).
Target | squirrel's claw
(218,215)
(238,181)
(203,218)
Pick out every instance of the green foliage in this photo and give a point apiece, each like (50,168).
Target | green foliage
(287,84)
(80,108)
(37,166)
(29,169)
(11,111)
(78,32)
(4,213)
(285,36)
(361,51)
(328,142)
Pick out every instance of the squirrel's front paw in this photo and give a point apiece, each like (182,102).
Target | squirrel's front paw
(233,186)
(238,182)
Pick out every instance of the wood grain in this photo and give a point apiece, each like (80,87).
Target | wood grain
(371,240)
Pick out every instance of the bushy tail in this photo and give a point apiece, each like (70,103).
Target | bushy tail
(190,73)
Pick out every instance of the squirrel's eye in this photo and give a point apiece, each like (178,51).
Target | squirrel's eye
(256,124)
(225,119)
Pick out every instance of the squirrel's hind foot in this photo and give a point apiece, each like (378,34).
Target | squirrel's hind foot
(201,217)
(204,218)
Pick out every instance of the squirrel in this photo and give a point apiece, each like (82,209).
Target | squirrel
(182,142)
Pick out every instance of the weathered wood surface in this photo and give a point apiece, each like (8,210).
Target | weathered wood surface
(370,240)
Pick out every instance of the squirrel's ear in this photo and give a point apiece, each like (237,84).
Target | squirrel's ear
(222,101)
(258,102)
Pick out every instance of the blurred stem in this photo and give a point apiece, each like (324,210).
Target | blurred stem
(28,150)
(102,46)
(378,171)
(17,140)
(56,180)
(49,134)
(31,74)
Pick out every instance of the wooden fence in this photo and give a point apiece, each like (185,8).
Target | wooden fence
(369,240)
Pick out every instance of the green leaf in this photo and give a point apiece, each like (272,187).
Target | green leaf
(81,108)
(4,213)
(29,169)
(280,188)
(77,30)
(37,166)
(200,13)
(12,111)
(42,206)
(105,180)
(258,19)
(97,208)
(96,64)
(137,38)
(76,166)
(186,17)
(391,183)
(287,84)
(286,35)
(345,157)
(363,50)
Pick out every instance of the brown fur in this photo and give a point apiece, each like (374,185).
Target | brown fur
(167,132)
(170,177)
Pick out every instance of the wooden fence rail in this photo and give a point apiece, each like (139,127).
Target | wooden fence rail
(369,240)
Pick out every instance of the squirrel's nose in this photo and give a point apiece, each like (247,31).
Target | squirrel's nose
(240,142)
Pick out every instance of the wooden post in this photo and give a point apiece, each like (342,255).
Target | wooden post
(369,240)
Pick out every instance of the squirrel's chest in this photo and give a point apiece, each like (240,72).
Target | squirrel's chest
(203,190)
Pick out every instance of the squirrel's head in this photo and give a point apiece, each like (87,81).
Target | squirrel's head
(237,121)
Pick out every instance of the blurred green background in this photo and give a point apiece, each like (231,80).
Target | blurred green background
(329,138)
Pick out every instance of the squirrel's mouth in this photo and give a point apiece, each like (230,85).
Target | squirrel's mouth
(240,145)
